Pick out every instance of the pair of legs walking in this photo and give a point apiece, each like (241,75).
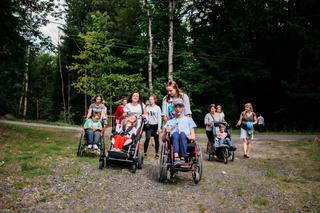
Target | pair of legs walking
(152,130)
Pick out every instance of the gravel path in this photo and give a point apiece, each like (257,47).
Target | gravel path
(274,179)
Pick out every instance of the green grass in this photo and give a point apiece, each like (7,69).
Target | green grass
(260,201)
(201,208)
(27,151)
(312,149)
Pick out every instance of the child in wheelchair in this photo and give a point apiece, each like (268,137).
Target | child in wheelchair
(93,129)
(181,130)
(223,138)
(124,133)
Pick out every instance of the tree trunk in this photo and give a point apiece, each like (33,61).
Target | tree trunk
(150,47)
(69,107)
(170,40)
(26,84)
(62,83)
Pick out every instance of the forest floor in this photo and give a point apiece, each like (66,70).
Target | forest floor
(40,172)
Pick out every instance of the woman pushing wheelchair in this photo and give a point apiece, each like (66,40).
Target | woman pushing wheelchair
(181,129)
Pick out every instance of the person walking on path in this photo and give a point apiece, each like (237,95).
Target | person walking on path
(174,92)
(246,121)
(118,115)
(209,119)
(154,125)
(135,106)
(98,107)
(221,113)
(260,123)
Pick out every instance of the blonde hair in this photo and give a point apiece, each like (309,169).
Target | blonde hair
(249,105)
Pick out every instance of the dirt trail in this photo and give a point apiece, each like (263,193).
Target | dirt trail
(277,178)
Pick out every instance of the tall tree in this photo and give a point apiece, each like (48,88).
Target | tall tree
(170,40)
(150,46)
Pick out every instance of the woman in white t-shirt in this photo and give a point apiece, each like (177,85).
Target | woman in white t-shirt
(135,106)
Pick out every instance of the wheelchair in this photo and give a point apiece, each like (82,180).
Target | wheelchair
(193,162)
(83,145)
(130,155)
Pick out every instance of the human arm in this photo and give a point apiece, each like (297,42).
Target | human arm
(159,119)
(104,115)
(164,110)
(89,113)
(192,135)
(207,121)
(240,120)
(144,112)
(187,109)
(117,114)
(255,120)
(222,117)
(126,110)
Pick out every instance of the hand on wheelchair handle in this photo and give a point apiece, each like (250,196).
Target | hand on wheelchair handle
(169,128)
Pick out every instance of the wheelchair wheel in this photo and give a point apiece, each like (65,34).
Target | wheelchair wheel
(197,174)
(102,148)
(225,155)
(81,146)
(231,155)
(163,170)
(102,162)
(140,161)
(134,168)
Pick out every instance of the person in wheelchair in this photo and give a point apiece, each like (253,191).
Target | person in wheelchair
(124,133)
(223,138)
(93,129)
(181,129)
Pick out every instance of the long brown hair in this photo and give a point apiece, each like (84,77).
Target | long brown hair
(175,86)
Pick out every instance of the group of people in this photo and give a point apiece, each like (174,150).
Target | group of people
(176,117)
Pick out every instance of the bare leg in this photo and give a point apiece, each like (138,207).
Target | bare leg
(245,146)
(248,148)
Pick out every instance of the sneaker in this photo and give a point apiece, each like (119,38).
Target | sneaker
(95,146)
(90,146)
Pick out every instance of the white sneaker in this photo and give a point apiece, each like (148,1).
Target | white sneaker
(95,146)
(90,146)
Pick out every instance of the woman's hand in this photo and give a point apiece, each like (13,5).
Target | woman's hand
(192,136)
(165,119)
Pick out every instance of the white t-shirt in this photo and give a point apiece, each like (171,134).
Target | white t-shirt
(131,109)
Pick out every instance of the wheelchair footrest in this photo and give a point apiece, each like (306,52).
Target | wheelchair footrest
(117,154)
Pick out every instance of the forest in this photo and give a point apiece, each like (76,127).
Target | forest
(266,52)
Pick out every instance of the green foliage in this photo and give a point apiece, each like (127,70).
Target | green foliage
(96,58)
(110,85)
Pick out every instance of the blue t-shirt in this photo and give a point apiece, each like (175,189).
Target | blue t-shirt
(184,124)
